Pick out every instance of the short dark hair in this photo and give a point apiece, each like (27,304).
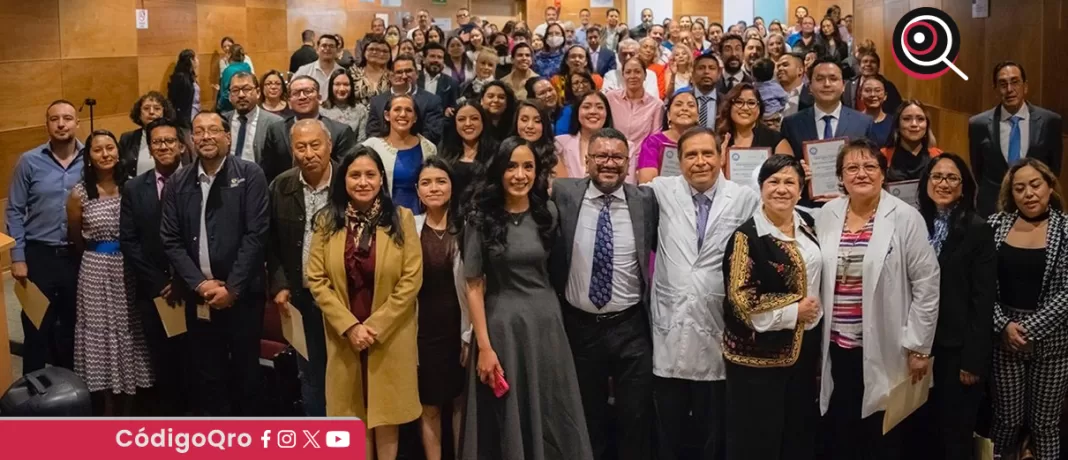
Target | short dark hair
(432,46)
(610,10)
(64,102)
(823,59)
(225,121)
(305,77)
(763,70)
(135,111)
(609,132)
(402,57)
(161,123)
(1004,64)
(658,25)
(697,131)
(862,145)
(709,54)
(800,57)
(584,9)
(308,35)
(550,7)
(328,37)
(226,39)
(728,37)
(244,74)
(778,162)
(715,24)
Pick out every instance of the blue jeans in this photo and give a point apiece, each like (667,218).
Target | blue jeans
(312,370)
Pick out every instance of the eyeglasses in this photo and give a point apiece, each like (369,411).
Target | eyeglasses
(307,92)
(212,131)
(747,103)
(243,90)
(604,159)
(169,142)
(952,180)
(854,169)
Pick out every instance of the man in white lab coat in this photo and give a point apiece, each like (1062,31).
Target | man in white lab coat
(699,211)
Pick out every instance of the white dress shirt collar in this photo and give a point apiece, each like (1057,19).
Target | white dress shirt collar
(1024,113)
(836,113)
(764,226)
(592,192)
(711,192)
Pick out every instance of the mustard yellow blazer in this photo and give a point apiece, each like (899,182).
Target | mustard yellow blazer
(392,382)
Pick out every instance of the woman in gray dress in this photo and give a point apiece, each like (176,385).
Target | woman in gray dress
(519,330)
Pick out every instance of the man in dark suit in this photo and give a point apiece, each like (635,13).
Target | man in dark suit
(827,119)
(249,122)
(600,266)
(790,73)
(602,59)
(306,53)
(705,83)
(287,249)
(732,51)
(427,105)
(213,228)
(434,81)
(142,248)
(1013,130)
(304,100)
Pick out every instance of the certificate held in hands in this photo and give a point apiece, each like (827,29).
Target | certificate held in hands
(821,157)
(907,191)
(743,161)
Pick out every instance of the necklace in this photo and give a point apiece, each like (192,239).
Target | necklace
(439,234)
(516,218)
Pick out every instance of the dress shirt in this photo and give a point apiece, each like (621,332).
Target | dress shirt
(614,80)
(793,100)
(320,75)
(609,37)
(37,199)
(786,317)
(737,77)
(665,55)
(636,119)
(248,151)
(205,188)
(580,35)
(836,113)
(710,122)
(593,54)
(145,162)
(430,83)
(1006,130)
(626,286)
(161,180)
(314,200)
(540,30)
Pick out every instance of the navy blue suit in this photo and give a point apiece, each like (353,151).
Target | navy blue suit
(606,61)
(801,127)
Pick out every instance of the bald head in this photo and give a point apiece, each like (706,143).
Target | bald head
(310,142)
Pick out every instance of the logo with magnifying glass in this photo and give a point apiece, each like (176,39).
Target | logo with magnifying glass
(926,43)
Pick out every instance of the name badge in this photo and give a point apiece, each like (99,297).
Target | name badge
(203,312)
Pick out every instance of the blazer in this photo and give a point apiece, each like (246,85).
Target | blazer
(1046,327)
(968,289)
(428,106)
(265,120)
(900,295)
(801,127)
(392,378)
(466,329)
(686,306)
(989,162)
(277,157)
(722,85)
(389,154)
(568,195)
(606,61)
(448,90)
(805,100)
(285,238)
(129,149)
(139,236)
(236,221)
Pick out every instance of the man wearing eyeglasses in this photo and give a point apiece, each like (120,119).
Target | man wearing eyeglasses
(600,269)
(142,248)
(428,105)
(277,155)
(320,70)
(214,229)
(247,119)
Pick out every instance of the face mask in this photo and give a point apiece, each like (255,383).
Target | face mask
(554,41)
(502,50)
(392,40)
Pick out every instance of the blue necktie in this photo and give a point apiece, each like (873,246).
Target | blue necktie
(1014,140)
(828,133)
(238,152)
(601,278)
(703,204)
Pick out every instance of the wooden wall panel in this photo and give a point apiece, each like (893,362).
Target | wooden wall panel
(278,60)
(535,11)
(1014,32)
(208,75)
(215,22)
(153,73)
(26,98)
(232,3)
(265,30)
(322,21)
(111,81)
(320,4)
(32,30)
(14,143)
(98,28)
(818,8)
(713,9)
(966,96)
(172,27)
(117,124)
(277,4)
(1055,56)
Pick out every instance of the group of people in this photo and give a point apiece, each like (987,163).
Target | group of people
(534,239)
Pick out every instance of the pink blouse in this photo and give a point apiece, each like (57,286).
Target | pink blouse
(567,147)
(652,151)
(636,120)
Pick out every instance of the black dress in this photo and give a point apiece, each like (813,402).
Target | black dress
(441,377)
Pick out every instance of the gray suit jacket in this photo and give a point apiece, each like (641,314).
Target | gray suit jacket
(265,120)
(644,214)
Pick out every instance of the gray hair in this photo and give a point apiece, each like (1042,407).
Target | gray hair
(306,122)
(629,42)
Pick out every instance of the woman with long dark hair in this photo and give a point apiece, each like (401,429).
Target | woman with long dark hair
(911,144)
(963,343)
(576,59)
(183,90)
(831,39)
(402,148)
(499,101)
(457,64)
(547,59)
(592,113)
(275,94)
(364,269)
(340,104)
(371,76)
(110,353)
(521,353)
(541,89)
(465,148)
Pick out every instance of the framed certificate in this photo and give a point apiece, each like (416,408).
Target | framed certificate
(669,161)
(742,162)
(907,191)
(821,157)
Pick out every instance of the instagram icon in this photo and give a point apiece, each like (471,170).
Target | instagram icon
(287,439)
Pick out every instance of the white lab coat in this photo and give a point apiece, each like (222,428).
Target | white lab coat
(461,284)
(688,291)
(900,295)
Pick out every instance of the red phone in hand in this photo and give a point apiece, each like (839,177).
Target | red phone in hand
(500,385)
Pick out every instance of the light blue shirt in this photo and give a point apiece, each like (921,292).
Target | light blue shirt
(37,198)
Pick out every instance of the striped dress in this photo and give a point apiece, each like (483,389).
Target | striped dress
(846,319)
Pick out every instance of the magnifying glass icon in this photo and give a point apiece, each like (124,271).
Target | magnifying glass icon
(944,58)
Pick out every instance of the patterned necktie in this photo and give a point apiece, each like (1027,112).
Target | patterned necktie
(703,204)
(828,133)
(1014,140)
(702,113)
(601,278)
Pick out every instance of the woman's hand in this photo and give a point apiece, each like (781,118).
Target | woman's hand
(1013,336)
(723,145)
(360,337)
(808,171)
(968,378)
(488,366)
(808,310)
(918,366)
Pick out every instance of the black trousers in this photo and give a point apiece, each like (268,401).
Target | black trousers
(690,419)
(944,426)
(55,271)
(225,358)
(169,395)
(618,347)
(851,437)
(773,412)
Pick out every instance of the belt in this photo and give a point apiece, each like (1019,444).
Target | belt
(62,250)
(103,247)
(602,317)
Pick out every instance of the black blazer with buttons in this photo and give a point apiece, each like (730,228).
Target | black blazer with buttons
(285,241)
(139,236)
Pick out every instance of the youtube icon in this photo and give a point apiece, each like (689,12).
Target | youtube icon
(338,439)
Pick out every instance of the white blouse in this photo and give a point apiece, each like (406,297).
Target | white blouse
(786,317)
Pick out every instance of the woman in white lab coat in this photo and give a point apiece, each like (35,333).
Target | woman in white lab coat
(880,304)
